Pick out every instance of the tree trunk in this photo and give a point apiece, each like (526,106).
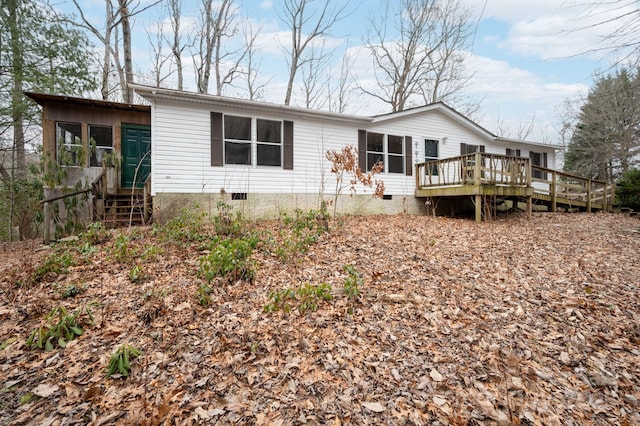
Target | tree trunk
(126,46)
(17,100)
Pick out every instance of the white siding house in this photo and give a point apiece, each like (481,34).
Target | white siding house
(267,158)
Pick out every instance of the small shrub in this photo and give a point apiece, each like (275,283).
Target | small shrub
(72,290)
(226,222)
(57,263)
(280,300)
(299,233)
(122,251)
(305,298)
(59,328)
(96,233)
(203,294)
(137,275)
(353,282)
(187,227)
(120,361)
(229,258)
(628,189)
(310,295)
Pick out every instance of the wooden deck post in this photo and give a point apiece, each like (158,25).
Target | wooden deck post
(46,230)
(477,182)
(478,208)
(605,200)
(552,190)
(529,185)
(589,196)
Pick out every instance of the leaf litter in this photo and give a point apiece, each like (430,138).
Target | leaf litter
(514,321)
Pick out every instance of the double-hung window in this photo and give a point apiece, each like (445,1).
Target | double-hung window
(101,141)
(431,154)
(70,151)
(395,154)
(251,141)
(388,150)
(237,140)
(268,143)
(375,150)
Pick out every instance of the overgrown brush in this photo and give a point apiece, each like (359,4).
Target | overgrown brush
(229,258)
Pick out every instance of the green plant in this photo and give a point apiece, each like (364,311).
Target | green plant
(137,275)
(124,251)
(353,282)
(57,263)
(26,398)
(310,295)
(72,290)
(229,258)
(96,233)
(59,328)
(187,227)
(151,253)
(120,361)
(299,232)
(305,298)
(203,294)
(226,223)
(628,189)
(280,300)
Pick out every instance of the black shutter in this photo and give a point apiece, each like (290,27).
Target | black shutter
(217,151)
(481,148)
(463,149)
(287,136)
(362,150)
(408,158)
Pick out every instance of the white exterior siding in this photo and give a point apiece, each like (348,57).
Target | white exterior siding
(181,149)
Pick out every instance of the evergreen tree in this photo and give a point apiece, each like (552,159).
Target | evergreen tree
(606,142)
(39,52)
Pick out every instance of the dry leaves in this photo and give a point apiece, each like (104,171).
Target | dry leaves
(510,322)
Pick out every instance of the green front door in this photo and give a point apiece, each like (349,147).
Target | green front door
(136,155)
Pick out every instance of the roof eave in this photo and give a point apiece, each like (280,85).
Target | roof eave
(152,93)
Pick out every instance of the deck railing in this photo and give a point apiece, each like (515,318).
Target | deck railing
(474,169)
(494,169)
(566,187)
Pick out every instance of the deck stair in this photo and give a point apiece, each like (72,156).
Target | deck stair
(124,209)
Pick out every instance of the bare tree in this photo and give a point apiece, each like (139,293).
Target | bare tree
(338,95)
(177,46)
(159,58)
(218,24)
(419,54)
(314,78)
(306,26)
(624,40)
(251,64)
(115,17)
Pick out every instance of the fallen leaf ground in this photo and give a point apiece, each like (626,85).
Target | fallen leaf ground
(514,321)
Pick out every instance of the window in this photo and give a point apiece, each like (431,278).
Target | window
(269,143)
(395,154)
(375,149)
(70,151)
(431,153)
(101,143)
(237,140)
(538,159)
(513,152)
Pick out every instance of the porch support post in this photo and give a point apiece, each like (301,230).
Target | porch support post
(478,208)
(605,197)
(552,190)
(589,196)
(46,230)
(529,207)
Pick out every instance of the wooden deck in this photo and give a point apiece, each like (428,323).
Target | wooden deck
(484,178)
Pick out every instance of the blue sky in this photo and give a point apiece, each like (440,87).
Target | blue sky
(528,56)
